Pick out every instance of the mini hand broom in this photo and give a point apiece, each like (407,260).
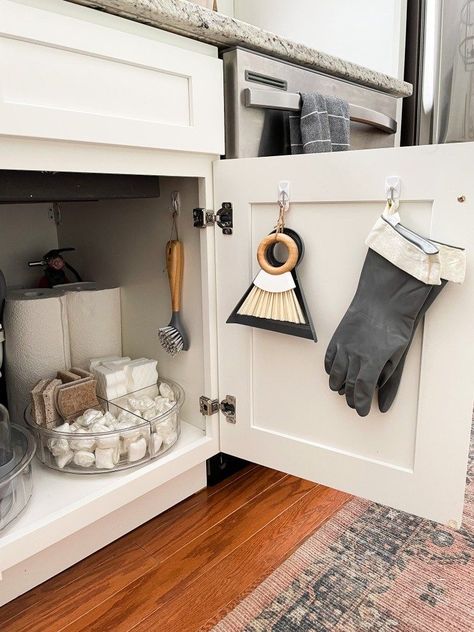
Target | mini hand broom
(275,300)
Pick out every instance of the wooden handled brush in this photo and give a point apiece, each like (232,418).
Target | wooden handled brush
(275,300)
(173,338)
(273,293)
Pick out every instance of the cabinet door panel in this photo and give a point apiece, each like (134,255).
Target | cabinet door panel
(413,457)
(65,77)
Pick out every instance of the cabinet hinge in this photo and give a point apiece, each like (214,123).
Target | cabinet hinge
(223,218)
(208,406)
(227,406)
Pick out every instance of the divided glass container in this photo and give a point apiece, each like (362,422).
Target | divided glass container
(145,433)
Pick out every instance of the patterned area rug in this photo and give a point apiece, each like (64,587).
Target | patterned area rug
(370,568)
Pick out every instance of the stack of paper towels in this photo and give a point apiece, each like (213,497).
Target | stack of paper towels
(51,330)
(117,376)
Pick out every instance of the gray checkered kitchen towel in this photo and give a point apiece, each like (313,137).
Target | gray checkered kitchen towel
(322,125)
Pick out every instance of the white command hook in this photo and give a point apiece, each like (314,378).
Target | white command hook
(393,187)
(284,194)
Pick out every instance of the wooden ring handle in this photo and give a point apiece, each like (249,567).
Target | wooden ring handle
(267,242)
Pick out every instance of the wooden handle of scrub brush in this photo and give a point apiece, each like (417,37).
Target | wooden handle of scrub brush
(175,267)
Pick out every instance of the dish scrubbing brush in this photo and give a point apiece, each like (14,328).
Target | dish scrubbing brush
(173,338)
(275,300)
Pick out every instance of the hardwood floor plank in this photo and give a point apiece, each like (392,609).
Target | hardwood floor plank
(128,607)
(129,541)
(220,542)
(166,534)
(86,566)
(204,602)
(207,492)
(59,602)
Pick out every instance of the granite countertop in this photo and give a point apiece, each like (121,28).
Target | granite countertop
(192,20)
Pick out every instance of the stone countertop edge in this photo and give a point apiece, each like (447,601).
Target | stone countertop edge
(194,21)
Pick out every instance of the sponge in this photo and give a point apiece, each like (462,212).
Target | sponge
(37,402)
(111,383)
(141,373)
(51,414)
(67,376)
(75,397)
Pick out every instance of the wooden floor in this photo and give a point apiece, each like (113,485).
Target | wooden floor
(182,570)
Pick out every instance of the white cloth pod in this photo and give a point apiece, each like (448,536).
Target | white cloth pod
(106,458)
(84,458)
(58,447)
(156,443)
(89,418)
(170,438)
(64,459)
(107,440)
(77,443)
(65,427)
(137,450)
(166,391)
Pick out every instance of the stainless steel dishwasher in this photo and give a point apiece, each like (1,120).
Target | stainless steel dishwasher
(261,91)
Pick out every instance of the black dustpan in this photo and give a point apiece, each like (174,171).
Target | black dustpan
(305,330)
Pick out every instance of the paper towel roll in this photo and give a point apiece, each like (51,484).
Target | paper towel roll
(95,325)
(36,342)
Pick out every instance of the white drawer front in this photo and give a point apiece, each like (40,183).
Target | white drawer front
(65,78)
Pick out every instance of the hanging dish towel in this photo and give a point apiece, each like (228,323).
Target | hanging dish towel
(322,125)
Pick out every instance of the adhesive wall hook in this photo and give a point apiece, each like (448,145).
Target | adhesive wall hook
(393,186)
(284,194)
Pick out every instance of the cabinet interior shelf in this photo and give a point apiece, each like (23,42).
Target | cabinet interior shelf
(62,503)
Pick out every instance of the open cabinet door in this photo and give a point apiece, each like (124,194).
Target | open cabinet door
(414,456)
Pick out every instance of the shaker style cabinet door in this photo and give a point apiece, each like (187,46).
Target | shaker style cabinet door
(67,75)
(414,456)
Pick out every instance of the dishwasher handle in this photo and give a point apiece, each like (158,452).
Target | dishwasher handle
(291,101)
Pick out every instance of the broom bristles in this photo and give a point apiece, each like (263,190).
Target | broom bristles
(282,306)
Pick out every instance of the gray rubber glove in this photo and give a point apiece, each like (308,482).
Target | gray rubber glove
(377,328)
(391,375)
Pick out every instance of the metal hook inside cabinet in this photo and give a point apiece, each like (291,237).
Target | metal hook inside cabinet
(283,204)
(392,191)
(390,195)
(284,195)
(175,209)
(175,202)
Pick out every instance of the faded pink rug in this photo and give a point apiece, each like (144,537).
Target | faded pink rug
(370,568)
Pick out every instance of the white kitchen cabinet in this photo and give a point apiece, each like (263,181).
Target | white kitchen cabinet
(67,74)
(119,242)
(412,458)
